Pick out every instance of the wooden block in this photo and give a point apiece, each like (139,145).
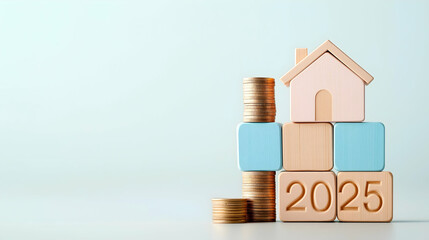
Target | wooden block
(300,53)
(365,196)
(307,146)
(359,146)
(259,146)
(307,196)
(327,91)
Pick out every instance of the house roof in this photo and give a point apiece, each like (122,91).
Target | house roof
(327,46)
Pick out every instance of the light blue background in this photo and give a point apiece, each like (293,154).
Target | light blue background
(359,146)
(125,111)
(259,146)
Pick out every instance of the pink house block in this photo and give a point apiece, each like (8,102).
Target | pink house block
(326,86)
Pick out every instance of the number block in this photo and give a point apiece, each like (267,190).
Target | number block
(307,146)
(307,196)
(359,146)
(259,146)
(365,196)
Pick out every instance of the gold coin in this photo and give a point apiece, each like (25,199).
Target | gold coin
(260,91)
(229,221)
(259,189)
(258,174)
(261,201)
(260,111)
(259,184)
(258,114)
(260,105)
(258,85)
(260,108)
(258,195)
(228,218)
(262,220)
(252,116)
(229,213)
(258,79)
(259,95)
(259,100)
(258,119)
(267,179)
(262,198)
(229,200)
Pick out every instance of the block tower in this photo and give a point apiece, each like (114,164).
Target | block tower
(328,87)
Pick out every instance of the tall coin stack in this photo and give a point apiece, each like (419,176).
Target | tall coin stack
(229,210)
(259,148)
(260,190)
(259,101)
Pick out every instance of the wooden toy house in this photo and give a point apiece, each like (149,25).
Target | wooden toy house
(326,86)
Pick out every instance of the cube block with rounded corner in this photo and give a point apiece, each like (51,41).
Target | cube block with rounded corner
(259,146)
(307,146)
(365,196)
(307,196)
(359,146)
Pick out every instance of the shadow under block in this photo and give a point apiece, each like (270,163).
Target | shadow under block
(327,91)
(307,196)
(259,146)
(359,146)
(307,146)
(365,196)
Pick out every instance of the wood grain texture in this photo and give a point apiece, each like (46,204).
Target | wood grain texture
(346,89)
(327,46)
(307,146)
(307,196)
(300,53)
(323,106)
(365,196)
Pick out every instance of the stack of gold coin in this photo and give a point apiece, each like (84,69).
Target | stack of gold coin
(229,210)
(260,190)
(259,101)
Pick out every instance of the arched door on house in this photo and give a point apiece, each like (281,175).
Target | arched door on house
(323,106)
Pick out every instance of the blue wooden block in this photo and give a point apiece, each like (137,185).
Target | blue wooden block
(259,146)
(359,146)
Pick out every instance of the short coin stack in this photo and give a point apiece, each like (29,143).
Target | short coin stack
(259,101)
(260,190)
(229,210)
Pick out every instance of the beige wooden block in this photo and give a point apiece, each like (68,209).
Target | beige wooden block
(300,53)
(365,196)
(307,196)
(307,146)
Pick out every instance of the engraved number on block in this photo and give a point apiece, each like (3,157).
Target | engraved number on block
(373,192)
(368,193)
(356,190)
(313,197)
(292,207)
